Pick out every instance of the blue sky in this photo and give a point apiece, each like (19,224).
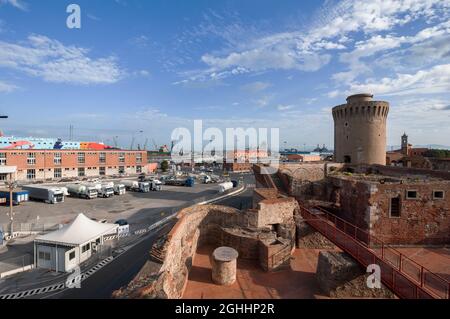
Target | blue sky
(157,65)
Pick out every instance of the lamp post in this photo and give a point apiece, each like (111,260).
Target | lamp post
(11,186)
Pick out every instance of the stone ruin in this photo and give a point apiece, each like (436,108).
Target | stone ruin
(265,234)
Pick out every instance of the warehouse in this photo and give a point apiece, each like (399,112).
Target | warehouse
(57,164)
(68,247)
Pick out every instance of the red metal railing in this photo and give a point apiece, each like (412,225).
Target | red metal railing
(406,278)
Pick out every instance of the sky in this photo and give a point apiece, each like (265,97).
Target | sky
(144,68)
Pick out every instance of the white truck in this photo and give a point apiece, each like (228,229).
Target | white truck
(82,191)
(48,194)
(225,186)
(119,189)
(155,185)
(135,186)
(65,191)
(104,190)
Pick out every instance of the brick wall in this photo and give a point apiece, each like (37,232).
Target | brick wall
(424,220)
(45,162)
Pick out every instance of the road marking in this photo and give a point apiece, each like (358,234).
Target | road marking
(59,286)
(101,264)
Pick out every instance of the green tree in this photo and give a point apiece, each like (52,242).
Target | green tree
(165,165)
(437,153)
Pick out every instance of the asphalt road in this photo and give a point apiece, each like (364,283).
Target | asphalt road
(124,268)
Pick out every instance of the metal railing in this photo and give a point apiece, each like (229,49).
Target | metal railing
(29,228)
(13,263)
(405,277)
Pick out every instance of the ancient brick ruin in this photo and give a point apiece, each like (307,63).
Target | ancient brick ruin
(400,206)
(265,235)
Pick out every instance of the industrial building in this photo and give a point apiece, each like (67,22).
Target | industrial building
(57,164)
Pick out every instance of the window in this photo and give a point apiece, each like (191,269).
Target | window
(121,169)
(102,157)
(438,194)
(394,209)
(121,157)
(3,177)
(57,159)
(138,169)
(72,255)
(347,158)
(44,255)
(81,158)
(138,158)
(57,173)
(102,171)
(31,173)
(85,248)
(81,172)
(31,159)
(411,194)
(2,158)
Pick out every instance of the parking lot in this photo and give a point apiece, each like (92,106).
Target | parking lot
(137,208)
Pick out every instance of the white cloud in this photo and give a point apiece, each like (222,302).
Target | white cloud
(149,113)
(7,87)
(256,86)
(309,50)
(19,4)
(141,41)
(428,81)
(93,17)
(429,44)
(264,100)
(52,61)
(142,73)
(285,107)
(425,124)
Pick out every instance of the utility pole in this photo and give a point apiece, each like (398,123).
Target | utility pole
(11,186)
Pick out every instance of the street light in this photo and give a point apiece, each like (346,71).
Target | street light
(11,186)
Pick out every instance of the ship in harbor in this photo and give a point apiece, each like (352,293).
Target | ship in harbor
(37,143)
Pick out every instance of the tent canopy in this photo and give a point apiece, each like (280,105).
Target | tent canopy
(81,230)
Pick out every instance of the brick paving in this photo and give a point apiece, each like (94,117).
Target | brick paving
(252,282)
(436,260)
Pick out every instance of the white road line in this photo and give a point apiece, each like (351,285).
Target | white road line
(101,264)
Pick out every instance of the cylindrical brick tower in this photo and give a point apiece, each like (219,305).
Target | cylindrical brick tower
(360,130)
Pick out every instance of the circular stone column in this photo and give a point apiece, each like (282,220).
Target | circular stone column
(224,264)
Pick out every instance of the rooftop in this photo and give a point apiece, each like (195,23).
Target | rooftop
(385,179)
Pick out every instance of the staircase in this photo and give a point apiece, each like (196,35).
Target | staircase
(157,255)
(406,278)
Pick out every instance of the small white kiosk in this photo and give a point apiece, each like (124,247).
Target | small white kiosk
(74,243)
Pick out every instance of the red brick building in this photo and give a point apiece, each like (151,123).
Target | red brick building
(57,164)
(399,205)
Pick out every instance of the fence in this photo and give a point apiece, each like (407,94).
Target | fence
(28,228)
(404,276)
(15,264)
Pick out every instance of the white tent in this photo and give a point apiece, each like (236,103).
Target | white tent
(66,248)
(81,230)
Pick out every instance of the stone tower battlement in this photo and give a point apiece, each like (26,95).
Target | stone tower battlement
(360,130)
